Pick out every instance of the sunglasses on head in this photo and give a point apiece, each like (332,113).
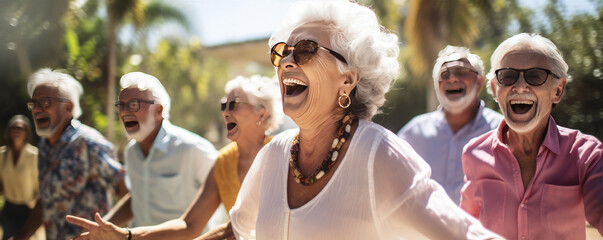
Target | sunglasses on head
(303,52)
(460,72)
(532,76)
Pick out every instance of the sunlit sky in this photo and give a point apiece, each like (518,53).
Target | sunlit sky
(218,22)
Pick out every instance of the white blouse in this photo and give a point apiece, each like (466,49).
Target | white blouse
(381,190)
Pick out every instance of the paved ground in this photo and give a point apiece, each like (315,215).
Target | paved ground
(592,233)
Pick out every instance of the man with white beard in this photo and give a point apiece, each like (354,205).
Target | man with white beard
(439,136)
(166,165)
(76,164)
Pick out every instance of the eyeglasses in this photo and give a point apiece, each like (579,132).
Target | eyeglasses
(132,106)
(460,72)
(43,102)
(533,76)
(232,105)
(303,51)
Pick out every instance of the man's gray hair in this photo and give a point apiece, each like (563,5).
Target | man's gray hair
(531,42)
(454,53)
(67,85)
(147,82)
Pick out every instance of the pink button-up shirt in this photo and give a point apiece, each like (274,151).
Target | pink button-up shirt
(566,189)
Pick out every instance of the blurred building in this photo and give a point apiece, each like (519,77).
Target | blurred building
(244,58)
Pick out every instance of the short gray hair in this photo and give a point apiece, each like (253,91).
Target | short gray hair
(367,47)
(454,53)
(263,92)
(534,43)
(67,85)
(149,83)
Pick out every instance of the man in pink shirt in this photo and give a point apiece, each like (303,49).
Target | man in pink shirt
(532,179)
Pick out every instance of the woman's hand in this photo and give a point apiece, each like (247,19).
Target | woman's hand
(100,229)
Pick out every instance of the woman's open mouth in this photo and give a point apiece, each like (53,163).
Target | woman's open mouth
(230,126)
(294,87)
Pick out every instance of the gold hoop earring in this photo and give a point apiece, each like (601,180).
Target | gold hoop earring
(346,99)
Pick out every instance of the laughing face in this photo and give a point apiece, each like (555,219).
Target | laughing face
(309,91)
(458,86)
(525,107)
(52,120)
(139,124)
(241,117)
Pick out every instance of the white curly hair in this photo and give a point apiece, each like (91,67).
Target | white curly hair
(367,46)
(262,92)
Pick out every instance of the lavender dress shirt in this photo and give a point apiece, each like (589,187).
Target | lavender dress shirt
(431,137)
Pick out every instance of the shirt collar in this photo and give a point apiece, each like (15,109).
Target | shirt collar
(70,131)
(441,117)
(551,139)
(161,140)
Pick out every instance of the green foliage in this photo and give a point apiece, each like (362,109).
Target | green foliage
(580,40)
(194,82)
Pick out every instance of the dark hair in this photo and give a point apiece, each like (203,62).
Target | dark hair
(27,126)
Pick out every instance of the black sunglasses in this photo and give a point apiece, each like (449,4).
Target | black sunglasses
(303,51)
(533,76)
(231,105)
(132,105)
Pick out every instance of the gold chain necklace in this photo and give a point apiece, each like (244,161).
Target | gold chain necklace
(329,161)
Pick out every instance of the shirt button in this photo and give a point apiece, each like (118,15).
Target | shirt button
(523,205)
(523,237)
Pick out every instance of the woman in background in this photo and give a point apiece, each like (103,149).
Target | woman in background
(19,177)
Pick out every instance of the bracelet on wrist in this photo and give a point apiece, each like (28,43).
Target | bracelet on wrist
(129,233)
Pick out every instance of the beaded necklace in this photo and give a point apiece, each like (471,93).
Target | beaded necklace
(329,161)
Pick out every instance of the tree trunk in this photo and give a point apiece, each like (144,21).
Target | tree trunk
(23,60)
(111,81)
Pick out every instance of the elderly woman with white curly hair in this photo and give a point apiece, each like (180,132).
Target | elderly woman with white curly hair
(340,176)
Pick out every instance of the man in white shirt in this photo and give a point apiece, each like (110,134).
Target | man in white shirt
(165,164)
(439,136)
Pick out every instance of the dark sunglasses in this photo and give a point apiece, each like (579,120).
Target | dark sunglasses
(132,105)
(44,102)
(303,51)
(232,105)
(460,72)
(533,76)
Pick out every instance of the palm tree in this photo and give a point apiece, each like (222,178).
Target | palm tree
(141,15)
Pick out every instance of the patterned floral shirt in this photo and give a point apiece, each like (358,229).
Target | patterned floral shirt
(75,174)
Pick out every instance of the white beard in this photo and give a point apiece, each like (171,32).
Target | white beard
(46,132)
(52,128)
(144,128)
(459,105)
